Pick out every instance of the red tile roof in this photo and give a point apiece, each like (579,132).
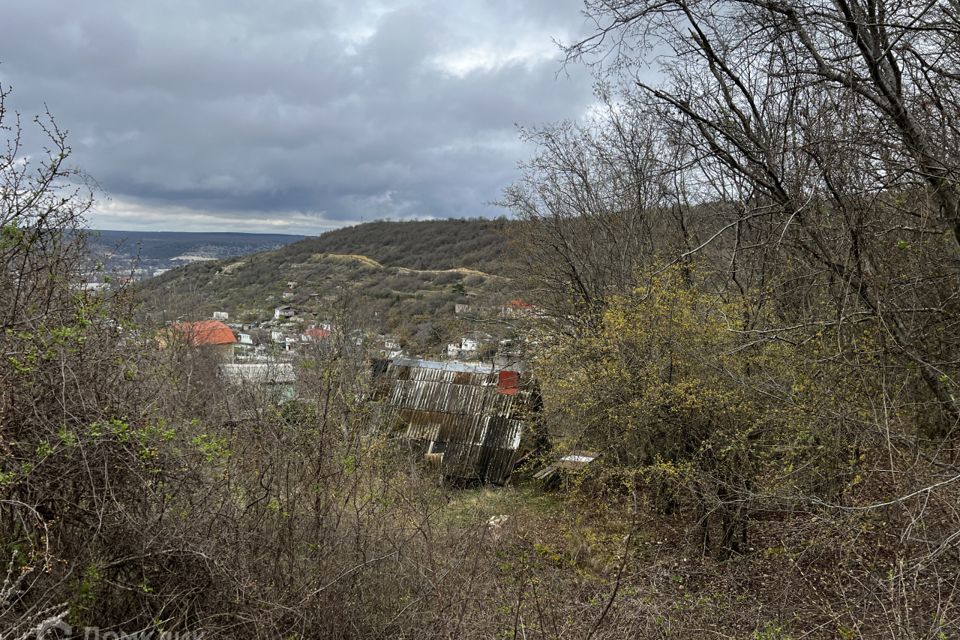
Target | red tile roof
(205,333)
(317,334)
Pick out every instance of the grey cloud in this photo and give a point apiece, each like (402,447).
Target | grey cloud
(310,113)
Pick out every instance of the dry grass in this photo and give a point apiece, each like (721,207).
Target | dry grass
(346,258)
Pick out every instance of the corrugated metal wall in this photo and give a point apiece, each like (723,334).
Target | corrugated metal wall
(479,425)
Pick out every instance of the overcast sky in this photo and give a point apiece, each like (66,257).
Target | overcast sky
(293,116)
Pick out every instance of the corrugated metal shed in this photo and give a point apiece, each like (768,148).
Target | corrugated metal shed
(259,373)
(460,410)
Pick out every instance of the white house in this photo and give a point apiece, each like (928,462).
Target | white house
(469,345)
(223,316)
(284,312)
(463,349)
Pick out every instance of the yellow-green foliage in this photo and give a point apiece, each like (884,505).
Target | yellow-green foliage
(654,380)
(674,387)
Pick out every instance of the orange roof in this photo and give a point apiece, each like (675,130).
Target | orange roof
(205,333)
(317,334)
(519,304)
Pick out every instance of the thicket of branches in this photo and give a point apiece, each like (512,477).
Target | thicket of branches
(749,270)
(752,268)
(139,494)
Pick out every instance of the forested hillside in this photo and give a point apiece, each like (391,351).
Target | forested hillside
(430,244)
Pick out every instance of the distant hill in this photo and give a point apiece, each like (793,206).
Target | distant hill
(432,244)
(168,245)
(402,277)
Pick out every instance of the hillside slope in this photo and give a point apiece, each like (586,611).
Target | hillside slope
(399,277)
(432,244)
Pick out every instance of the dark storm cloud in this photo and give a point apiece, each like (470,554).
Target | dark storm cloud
(298,116)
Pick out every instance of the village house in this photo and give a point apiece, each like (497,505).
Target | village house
(469,345)
(315,334)
(212,335)
(288,337)
(222,316)
(283,313)
(388,346)
(518,309)
(252,346)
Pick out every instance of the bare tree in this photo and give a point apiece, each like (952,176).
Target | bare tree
(589,200)
(835,123)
